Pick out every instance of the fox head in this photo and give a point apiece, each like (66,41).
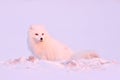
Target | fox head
(38,33)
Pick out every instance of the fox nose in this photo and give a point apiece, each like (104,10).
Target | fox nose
(41,39)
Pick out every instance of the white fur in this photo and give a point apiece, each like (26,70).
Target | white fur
(47,48)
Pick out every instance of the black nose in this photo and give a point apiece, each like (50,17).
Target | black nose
(41,39)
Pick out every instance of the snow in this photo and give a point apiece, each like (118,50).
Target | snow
(83,69)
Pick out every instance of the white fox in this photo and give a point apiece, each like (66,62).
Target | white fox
(45,47)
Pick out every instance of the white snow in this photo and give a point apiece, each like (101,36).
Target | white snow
(92,69)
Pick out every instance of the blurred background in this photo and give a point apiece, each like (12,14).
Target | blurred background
(81,24)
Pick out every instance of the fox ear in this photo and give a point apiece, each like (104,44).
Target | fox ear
(35,26)
(31,28)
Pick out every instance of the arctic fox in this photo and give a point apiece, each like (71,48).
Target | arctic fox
(45,47)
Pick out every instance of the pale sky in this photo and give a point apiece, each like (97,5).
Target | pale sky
(80,24)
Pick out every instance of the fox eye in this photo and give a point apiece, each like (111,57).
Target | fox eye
(36,34)
(42,34)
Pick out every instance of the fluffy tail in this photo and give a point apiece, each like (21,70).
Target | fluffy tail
(86,55)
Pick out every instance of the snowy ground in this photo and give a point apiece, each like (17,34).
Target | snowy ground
(82,69)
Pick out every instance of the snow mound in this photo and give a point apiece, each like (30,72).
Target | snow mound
(73,64)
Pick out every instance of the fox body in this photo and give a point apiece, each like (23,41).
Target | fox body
(45,47)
